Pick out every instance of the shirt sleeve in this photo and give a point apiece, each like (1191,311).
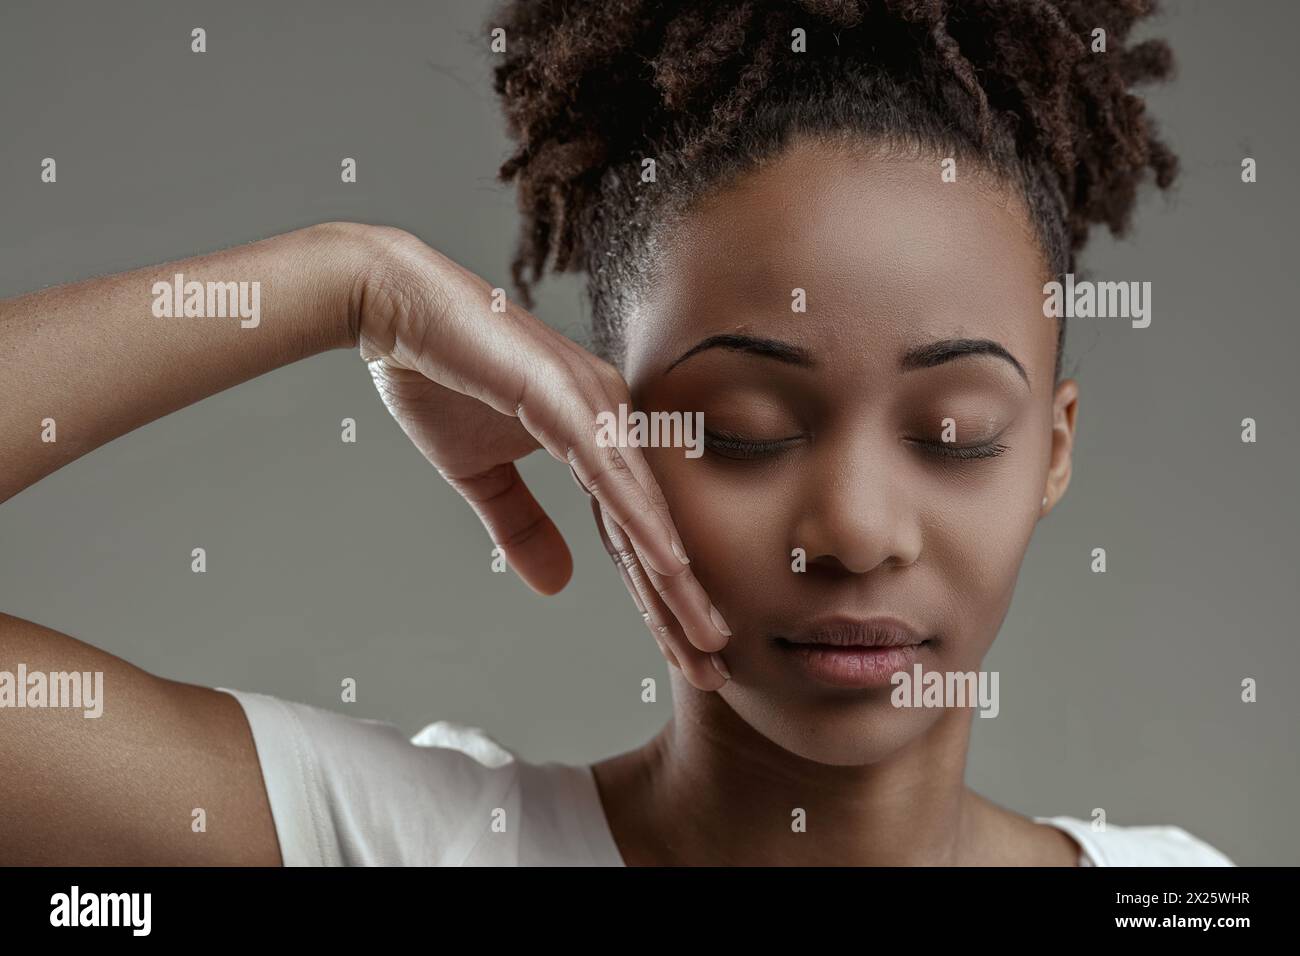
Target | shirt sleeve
(1174,846)
(348,791)
(1139,845)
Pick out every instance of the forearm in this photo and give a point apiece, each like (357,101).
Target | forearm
(82,364)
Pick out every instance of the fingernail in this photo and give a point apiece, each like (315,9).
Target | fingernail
(681,555)
(720,666)
(718,622)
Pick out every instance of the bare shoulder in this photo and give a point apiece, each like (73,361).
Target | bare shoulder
(1007,838)
(1064,841)
(105,763)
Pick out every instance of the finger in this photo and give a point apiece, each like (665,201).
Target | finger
(578,481)
(627,579)
(631,587)
(531,543)
(686,599)
(697,666)
(543,379)
(520,367)
(682,593)
(664,649)
(561,412)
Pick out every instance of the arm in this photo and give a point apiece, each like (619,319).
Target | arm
(94,358)
(473,387)
(121,788)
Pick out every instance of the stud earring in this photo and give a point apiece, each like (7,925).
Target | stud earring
(1044,501)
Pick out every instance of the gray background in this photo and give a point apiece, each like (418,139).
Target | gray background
(1119,690)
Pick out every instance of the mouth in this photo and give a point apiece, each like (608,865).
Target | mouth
(856,653)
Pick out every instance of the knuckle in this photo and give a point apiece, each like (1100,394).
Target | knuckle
(673,590)
(486,486)
(523,535)
(614,461)
(610,471)
(618,540)
(656,628)
(612,379)
(655,496)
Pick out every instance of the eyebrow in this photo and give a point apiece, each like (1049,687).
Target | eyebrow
(923,356)
(947,350)
(754,345)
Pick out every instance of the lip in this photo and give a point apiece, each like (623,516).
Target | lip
(854,652)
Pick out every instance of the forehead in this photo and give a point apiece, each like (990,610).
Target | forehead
(888,255)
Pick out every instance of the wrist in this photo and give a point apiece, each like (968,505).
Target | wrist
(360,264)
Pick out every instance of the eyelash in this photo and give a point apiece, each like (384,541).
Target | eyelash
(963,452)
(744,449)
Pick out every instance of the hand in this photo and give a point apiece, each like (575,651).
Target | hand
(476,390)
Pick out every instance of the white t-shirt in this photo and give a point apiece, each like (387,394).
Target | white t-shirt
(354,792)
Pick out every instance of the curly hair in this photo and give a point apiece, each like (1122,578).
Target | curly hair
(710,88)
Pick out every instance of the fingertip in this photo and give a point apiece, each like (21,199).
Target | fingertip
(547,573)
(549,585)
(722,682)
(720,666)
(704,676)
(707,640)
(663,565)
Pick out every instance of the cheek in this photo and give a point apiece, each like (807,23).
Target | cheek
(978,532)
(732,528)
(981,552)
(975,525)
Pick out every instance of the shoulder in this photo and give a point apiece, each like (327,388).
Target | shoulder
(354,791)
(1139,845)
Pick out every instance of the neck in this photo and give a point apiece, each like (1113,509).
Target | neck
(713,791)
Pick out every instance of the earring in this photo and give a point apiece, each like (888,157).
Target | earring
(1044,501)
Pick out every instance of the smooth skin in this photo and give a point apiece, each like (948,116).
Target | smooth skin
(891,259)
(473,388)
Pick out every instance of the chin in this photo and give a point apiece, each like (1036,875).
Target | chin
(846,730)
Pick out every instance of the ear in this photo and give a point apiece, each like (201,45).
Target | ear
(1065,404)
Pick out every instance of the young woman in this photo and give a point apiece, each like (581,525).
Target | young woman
(825,227)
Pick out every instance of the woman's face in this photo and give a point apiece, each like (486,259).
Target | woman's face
(826,428)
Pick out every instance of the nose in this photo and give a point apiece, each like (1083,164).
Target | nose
(859,508)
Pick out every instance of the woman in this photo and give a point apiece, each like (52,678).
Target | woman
(822,230)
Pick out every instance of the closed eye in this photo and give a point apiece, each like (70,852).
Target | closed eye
(730,445)
(948,450)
